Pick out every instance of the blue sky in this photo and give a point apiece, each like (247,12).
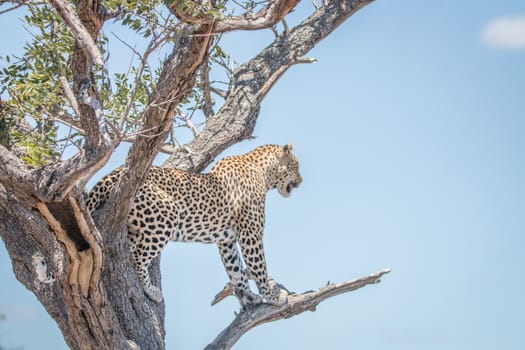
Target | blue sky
(410,131)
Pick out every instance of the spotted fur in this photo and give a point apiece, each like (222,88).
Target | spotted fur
(225,206)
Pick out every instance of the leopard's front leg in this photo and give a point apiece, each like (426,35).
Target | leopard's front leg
(237,274)
(253,254)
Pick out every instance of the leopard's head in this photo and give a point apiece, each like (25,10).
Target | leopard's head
(287,176)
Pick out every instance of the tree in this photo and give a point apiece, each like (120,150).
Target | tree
(61,97)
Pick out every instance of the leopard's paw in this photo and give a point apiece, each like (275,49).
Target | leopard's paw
(278,296)
(247,297)
(153,293)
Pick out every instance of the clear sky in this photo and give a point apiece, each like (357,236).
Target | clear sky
(410,131)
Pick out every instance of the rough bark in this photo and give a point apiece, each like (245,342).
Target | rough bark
(79,268)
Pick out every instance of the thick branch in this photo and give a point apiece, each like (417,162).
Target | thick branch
(89,106)
(297,303)
(53,181)
(265,18)
(16,176)
(82,36)
(198,14)
(56,180)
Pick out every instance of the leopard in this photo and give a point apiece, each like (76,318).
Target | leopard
(225,206)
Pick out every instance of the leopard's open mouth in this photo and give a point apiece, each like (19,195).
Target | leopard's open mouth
(291,186)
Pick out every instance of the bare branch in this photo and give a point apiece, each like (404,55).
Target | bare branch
(54,181)
(189,124)
(300,60)
(168,149)
(297,303)
(82,36)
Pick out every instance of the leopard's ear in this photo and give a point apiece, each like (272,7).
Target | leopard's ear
(286,156)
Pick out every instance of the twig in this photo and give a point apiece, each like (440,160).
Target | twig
(297,303)
(218,91)
(189,124)
(275,31)
(68,121)
(285,26)
(304,60)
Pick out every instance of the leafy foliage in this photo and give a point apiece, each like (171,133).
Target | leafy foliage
(32,84)
(32,89)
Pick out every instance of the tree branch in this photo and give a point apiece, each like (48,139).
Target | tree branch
(297,303)
(265,18)
(16,176)
(82,36)
(198,13)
